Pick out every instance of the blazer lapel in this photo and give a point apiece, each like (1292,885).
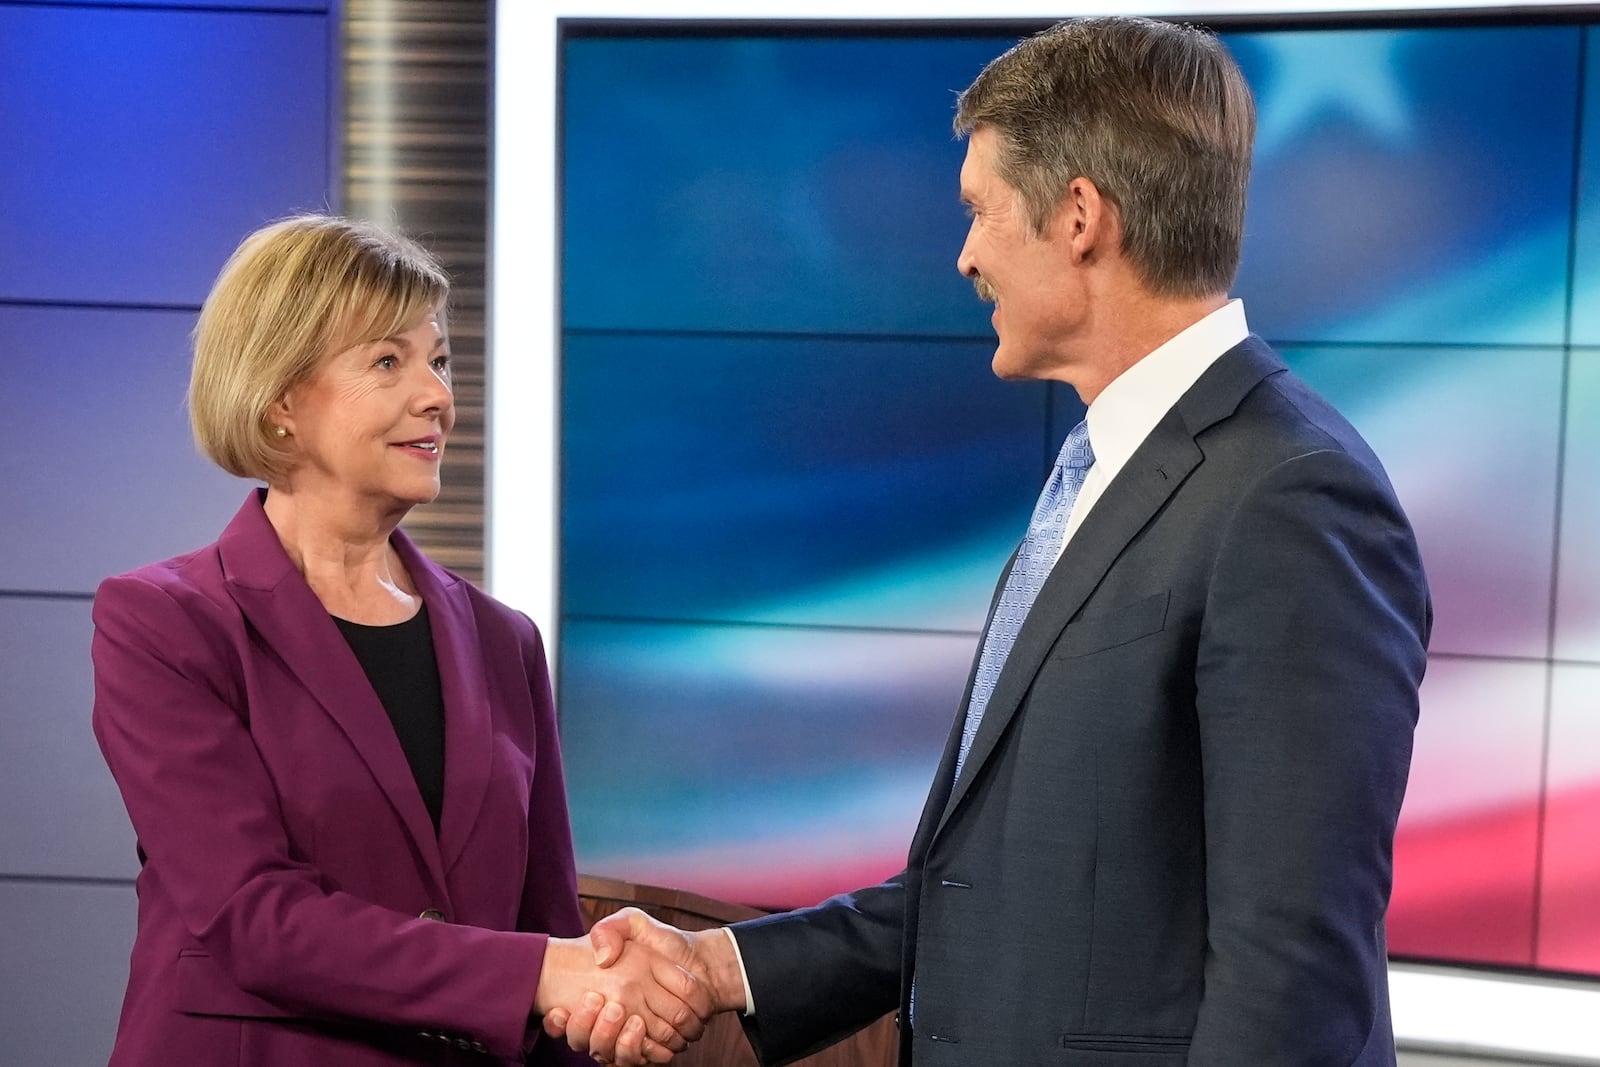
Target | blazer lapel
(468,730)
(1151,475)
(292,621)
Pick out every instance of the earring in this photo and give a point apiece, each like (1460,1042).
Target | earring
(283,431)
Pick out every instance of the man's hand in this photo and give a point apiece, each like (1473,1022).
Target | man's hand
(608,1032)
(646,1005)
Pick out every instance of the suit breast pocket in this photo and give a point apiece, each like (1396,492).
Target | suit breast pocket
(1111,627)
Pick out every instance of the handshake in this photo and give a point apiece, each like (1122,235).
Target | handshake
(637,991)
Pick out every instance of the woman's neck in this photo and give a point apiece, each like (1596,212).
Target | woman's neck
(344,553)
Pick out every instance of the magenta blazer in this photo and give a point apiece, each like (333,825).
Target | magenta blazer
(295,905)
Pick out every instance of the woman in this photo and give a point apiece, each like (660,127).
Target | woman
(340,759)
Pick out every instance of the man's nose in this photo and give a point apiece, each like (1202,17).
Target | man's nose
(966,263)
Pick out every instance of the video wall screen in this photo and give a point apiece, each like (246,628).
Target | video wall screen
(790,480)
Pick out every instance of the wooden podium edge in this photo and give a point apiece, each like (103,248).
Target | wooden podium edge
(615,891)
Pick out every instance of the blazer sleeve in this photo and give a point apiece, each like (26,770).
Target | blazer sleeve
(550,892)
(817,975)
(549,887)
(1310,655)
(169,717)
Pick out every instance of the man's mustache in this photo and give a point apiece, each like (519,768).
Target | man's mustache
(986,291)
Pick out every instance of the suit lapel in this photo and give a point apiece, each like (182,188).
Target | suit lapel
(1135,496)
(468,731)
(292,621)
(1127,505)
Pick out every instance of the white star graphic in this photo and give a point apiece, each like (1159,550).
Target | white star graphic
(1313,76)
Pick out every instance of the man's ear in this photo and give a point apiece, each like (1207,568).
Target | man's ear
(1086,221)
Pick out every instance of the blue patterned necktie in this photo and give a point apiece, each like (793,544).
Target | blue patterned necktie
(1035,559)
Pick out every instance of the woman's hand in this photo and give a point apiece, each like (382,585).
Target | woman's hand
(649,1006)
(603,1028)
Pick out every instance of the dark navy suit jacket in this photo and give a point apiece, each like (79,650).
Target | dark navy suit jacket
(292,886)
(1171,842)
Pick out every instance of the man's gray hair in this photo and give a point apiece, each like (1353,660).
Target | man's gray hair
(1156,115)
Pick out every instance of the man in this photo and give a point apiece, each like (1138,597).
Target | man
(1161,832)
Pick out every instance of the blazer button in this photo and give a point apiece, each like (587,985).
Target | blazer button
(432,913)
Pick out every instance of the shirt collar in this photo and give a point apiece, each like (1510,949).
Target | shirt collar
(1127,409)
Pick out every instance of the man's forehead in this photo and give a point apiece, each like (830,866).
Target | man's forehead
(978,176)
(969,166)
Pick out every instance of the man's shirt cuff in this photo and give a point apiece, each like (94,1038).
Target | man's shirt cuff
(749,997)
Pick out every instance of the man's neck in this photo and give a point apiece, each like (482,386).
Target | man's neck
(1129,326)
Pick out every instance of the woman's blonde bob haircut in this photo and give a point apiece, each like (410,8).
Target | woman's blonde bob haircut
(293,294)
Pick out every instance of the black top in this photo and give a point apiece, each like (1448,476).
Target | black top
(400,664)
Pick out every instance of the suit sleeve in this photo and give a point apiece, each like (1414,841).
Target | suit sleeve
(819,974)
(1311,652)
(169,717)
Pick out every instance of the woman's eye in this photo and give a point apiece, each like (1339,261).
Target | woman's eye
(441,363)
(387,362)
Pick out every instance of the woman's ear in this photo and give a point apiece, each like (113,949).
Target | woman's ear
(281,418)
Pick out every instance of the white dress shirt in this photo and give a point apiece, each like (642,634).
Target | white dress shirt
(1125,412)
(1120,418)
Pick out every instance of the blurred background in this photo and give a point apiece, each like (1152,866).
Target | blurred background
(788,480)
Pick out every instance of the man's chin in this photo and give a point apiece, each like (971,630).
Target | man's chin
(1009,368)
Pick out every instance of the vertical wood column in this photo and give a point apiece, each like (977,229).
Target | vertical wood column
(416,156)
